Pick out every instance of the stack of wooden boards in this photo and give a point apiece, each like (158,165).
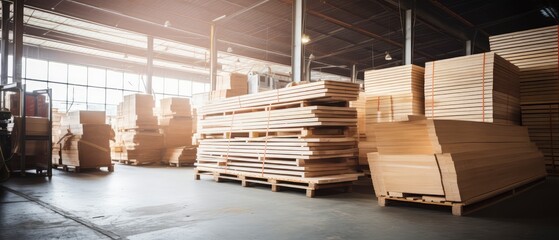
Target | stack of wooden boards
(235,85)
(391,95)
(481,87)
(138,140)
(535,52)
(451,162)
(294,134)
(85,141)
(360,131)
(175,122)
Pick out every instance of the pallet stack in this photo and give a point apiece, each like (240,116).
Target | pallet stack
(360,131)
(85,141)
(391,95)
(453,163)
(535,52)
(285,137)
(481,87)
(138,140)
(175,122)
(56,118)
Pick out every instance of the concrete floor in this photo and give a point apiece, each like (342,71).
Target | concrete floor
(167,203)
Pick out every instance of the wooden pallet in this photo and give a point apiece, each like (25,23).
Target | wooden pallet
(463,208)
(181,164)
(311,132)
(311,185)
(133,162)
(77,169)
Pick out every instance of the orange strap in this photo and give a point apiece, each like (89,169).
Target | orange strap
(483,90)
(269,109)
(551,135)
(433,91)
(391,109)
(378,104)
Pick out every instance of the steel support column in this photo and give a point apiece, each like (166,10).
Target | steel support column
(213,56)
(149,70)
(469,47)
(18,40)
(5,43)
(297,45)
(408,48)
(354,73)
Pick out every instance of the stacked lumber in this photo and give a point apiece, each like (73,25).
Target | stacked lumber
(481,87)
(295,133)
(391,95)
(452,161)
(180,156)
(175,122)
(56,118)
(394,93)
(542,121)
(85,137)
(235,85)
(138,140)
(360,131)
(535,52)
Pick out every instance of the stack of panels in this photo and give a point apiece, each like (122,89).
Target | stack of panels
(394,93)
(175,122)
(85,140)
(535,53)
(299,132)
(458,161)
(360,132)
(542,121)
(180,156)
(138,139)
(481,87)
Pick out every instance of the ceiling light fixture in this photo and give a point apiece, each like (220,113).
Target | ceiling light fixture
(305,39)
(387,57)
(229,49)
(167,23)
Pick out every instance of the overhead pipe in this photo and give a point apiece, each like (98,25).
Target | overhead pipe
(297,44)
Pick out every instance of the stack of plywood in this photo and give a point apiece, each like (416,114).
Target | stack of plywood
(85,140)
(535,52)
(542,121)
(56,118)
(391,95)
(235,85)
(175,122)
(394,93)
(138,139)
(360,131)
(293,134)
(450,161)
(481,87)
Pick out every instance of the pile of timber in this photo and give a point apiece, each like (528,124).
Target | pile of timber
(391,95)
(293,134)
(481,87)
(84,139)
(56,118)
(235,85)
(450,162)
(360,131)
(138,140)
(535,52)
(175,122)
(542,121)
(394,93)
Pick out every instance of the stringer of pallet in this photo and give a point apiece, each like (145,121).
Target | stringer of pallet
(309,132)
(68,168)
(463,208)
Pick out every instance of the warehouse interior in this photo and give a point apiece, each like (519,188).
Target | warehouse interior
(279,119)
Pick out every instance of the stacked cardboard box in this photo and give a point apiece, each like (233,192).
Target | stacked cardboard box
(85,140)
(138,140)
(175,122)
(235,85)
(36,151)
